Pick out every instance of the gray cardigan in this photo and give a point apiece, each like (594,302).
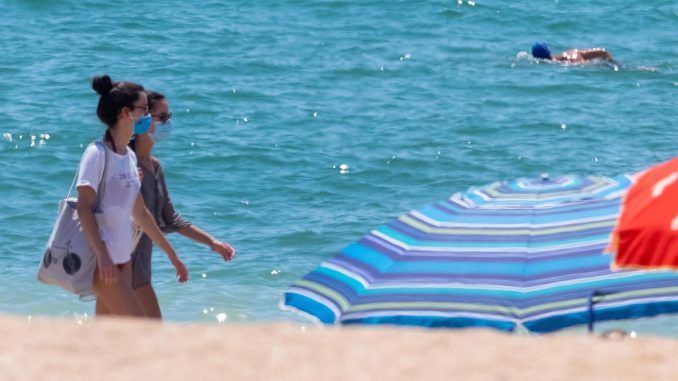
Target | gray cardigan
(158,202)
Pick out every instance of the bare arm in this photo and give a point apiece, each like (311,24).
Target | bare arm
(148,226)
(195,233)
(597,53)
(90,228)
(177,223)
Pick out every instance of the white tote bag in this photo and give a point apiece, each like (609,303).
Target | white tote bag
(69,261)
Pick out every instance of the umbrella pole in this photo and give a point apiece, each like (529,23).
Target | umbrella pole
(595,298)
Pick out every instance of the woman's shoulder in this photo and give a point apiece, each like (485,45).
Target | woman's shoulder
(156,164)
(96,146)
(93,159)
(95,150)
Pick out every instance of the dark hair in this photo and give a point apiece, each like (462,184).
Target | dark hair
(133,143)
(153,98)
(113,97)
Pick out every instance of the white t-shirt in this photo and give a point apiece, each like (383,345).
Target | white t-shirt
(121,190)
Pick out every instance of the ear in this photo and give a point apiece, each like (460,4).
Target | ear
(124,112)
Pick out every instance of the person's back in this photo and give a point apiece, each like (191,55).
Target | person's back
(584,55)
(541,50)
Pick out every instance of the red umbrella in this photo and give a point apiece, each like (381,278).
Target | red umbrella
(646,235)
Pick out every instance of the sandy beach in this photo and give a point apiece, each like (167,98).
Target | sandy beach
(123,349)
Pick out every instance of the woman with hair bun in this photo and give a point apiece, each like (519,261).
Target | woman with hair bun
(123,108)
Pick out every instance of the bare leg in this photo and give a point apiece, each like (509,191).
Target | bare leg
(149,301)
(100,309)
(118,299)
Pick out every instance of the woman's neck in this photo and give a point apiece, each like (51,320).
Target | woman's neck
(120,140)
(143,149)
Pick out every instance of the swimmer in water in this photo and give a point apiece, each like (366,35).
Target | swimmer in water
(541,50)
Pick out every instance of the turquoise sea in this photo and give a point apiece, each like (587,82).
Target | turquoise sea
(301,125)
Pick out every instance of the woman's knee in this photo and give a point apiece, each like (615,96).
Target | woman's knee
(149,301)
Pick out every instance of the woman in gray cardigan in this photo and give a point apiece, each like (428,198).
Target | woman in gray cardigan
(158,202)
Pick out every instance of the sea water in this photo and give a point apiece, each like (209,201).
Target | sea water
(301,125)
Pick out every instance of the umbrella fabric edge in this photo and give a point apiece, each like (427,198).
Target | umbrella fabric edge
(433,322)
(644,310)
(307,308)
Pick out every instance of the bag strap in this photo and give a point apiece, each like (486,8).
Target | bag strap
(102,180)
(102,183)
(75,178)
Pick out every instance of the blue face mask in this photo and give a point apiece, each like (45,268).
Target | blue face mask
(162,131)
(142,125)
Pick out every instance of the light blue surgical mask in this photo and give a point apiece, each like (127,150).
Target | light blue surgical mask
(162,131)
(142,125)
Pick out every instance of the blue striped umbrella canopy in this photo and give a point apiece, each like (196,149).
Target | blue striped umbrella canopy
(527,252)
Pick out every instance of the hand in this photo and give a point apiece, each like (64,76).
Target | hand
(223,249)
(141,173)
(182,272)
(108,272)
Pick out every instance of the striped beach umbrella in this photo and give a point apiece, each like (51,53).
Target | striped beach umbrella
(525,253)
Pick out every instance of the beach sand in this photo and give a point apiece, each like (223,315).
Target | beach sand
(124,349)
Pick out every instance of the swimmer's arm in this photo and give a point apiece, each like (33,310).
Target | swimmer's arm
(598,53)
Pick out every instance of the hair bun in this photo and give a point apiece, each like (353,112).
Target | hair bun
(102,84)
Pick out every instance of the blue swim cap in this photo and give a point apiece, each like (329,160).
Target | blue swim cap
(541,50)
